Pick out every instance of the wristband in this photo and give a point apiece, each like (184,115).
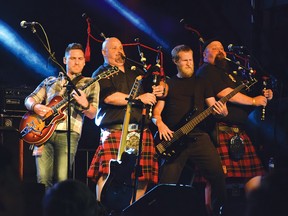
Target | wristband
(32,106)
(88,107)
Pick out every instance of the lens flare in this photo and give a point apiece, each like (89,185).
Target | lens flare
(14,44)
(137,21)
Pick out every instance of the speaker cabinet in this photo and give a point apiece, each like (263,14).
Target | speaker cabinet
(22,158)
(168,200)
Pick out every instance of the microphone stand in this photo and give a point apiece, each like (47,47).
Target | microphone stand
(70,87)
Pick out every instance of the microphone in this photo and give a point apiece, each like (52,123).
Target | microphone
(25,24)
(232,47)
(130,60)
(123,56)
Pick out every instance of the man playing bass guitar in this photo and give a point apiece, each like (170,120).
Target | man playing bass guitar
(184,94)
(51,156)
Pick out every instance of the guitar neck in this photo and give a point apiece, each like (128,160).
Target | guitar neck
(132,95)
(124,131)
(185,129)
(232,93)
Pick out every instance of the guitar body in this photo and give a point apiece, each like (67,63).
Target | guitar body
(118,188)
(169,150)
(36,130)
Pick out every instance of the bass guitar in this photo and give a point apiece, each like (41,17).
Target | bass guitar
(169,149)
(118,189)
(36,130)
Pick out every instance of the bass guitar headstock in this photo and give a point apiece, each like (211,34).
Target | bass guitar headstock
(249,83)
(109,72)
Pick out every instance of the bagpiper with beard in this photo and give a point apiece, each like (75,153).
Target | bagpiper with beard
(238,155)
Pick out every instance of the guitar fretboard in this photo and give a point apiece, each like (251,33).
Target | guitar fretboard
(132,95)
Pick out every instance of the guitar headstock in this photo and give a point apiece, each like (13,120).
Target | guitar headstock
(135,88)
(109,72)
(249,83)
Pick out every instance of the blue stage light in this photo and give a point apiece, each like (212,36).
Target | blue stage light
(137,21)
(14,44)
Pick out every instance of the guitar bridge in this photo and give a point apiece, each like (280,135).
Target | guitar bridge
(29,127)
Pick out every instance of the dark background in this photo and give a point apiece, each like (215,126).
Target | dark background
(260,25)
(230,21)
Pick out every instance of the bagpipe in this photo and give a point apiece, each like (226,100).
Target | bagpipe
(153,73)
(242,59)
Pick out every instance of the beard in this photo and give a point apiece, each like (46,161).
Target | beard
(220,61)
(187,72)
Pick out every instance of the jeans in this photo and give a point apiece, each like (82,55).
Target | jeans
(51,165)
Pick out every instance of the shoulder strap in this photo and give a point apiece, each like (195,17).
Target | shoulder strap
(77,79)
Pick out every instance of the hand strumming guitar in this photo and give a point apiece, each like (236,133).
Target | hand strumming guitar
(38,108)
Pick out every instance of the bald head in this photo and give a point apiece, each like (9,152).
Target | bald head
(212,50)
(112,51)
(108,41)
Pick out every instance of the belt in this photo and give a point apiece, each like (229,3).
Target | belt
(131,127)
(229,129)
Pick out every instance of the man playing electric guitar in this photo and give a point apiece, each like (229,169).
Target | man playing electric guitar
(51,156)
(184,94)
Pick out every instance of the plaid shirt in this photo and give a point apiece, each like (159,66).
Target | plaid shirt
(55,86)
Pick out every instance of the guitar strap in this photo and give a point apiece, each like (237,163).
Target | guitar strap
(74,82)
(77,79)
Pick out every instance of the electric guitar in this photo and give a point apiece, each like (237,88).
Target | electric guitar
(36,130)
(117,191)
(170,149)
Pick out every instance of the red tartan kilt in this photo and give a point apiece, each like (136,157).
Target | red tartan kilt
(108,149)
(249,166)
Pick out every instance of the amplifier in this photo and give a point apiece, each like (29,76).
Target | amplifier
(12,99)
(22,158)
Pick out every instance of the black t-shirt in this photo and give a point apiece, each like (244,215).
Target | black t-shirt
(215,80)
(122,82)
(184,96)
